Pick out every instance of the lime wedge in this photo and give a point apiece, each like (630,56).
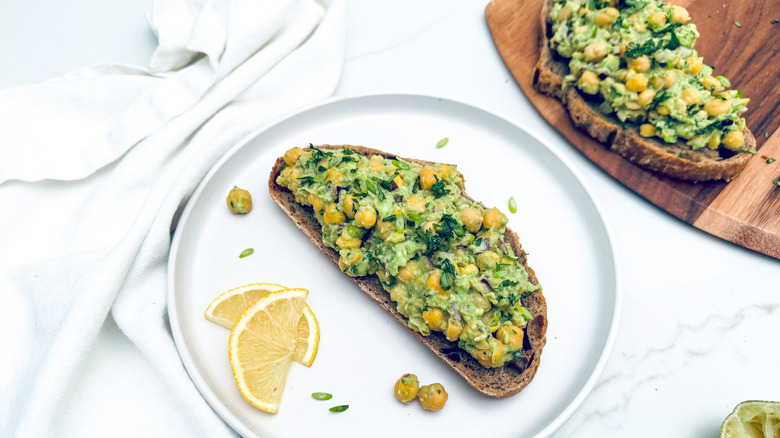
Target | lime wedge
(753,419)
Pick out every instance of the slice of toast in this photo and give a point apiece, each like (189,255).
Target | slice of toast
(496,382)
(673,160)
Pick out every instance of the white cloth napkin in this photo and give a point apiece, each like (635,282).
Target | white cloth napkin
(95,164)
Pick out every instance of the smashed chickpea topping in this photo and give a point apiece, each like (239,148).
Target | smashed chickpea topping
(636,57)
(441,257)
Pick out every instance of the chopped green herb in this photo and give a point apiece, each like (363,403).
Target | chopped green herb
(439,189)
(775,21)
(340,408)
(246,253)
(776,182)
(512,204)
(443,142)
(750,150)
(770,160)
(321,395)
(738,24)
(680,155)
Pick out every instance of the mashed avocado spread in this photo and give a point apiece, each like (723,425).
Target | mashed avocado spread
(441,257)
(637,58)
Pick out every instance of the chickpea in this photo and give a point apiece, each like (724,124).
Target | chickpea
(349,259)
(292,155)
(511,336)
(434,318)
(645,98)
(595,51)
(494,219)
(481,302)
(659,18)
(711,84)
(434,282)
(333,175)
(638,83)
(406,388)
(606,17)
(416,204)
(444,171)
(365,216)
(350,206)
(239,201)
(734,140)
(399,295)
(316,202)
(469,269)
(640,65)
(487,260)
(691,96)
(348,241)
(589,82)
(669,79)
(453,330)
(376,163)
(406,273)
(646,130)
(717,107)
(384,229)
(489,357)
(333,215)
(427,178)
(432,397)
(663,110)
(564,13)
(680,14)
(695,64)
(471,219)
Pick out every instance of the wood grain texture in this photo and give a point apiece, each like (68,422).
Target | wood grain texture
(745,211)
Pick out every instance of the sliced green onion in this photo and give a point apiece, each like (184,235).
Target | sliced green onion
(400,224)
(512,205)
(401,165)
(247,252)
(525,312)
(766,135)
(443,142)
(370,187)
(340,408)
(322,395)
(770,160)
(415,217)
(750,150)
(738,24)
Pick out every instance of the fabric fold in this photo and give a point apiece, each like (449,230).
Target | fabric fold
(110,153)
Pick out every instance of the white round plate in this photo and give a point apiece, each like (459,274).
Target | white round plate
(363,350)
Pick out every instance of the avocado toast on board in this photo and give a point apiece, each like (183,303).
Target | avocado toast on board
(628,74)
(442,264)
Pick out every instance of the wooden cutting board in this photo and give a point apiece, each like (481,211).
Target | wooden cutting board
(745,211)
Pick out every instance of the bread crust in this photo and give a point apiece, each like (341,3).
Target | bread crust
(673,160)
(496,382)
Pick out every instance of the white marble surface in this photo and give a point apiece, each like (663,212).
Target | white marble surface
(700,316)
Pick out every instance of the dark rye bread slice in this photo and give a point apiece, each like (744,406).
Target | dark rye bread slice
(673,160)
(497,382)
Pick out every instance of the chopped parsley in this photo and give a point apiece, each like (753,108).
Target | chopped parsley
(770,160)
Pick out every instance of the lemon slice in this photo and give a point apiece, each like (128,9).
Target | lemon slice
(262,344)
(308,338)
(753,419)
(228,306)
